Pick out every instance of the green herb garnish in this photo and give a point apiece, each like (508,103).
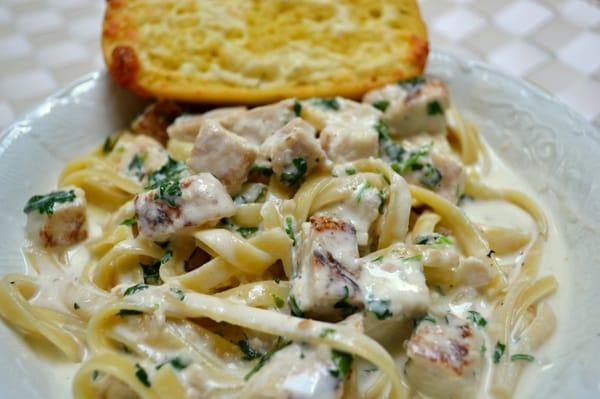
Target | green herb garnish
(177,363)
(280,344)
(262,170)
(498,351)
(171,170)
(431,176)
(168,191)
(289,230)
(45,203)
(152,273)
(129,222)
(523,357)
(361,191)
(137,162)
(279,302)
(180,294)
(434,108)
(294,173)
(247,231)
(329,103)
(297,108)
(129,312)
(343,304)
(249,352)
(135,288)
(142,375)
(435,239)
(383,130)
(294,308)
(75,305)
(411,82)
(380,308)
(342,362)
(350,171)
(381,105)
(477,318)
(326,331)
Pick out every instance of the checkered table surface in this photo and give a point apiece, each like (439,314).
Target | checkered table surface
(552,43)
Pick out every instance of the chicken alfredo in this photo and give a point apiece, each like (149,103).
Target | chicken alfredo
(313,248)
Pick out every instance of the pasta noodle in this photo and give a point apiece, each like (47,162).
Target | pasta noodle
(183,282)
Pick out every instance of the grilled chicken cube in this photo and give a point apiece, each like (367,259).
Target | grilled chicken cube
(257,124)
(445,357)
(298,371)
(226,155)
(57,219)
(186,127)
(394,285)
(413,106)
(324,282)
(176,205)
(156,118)
(139,155)
(361,209)
(347,128)
(294,152)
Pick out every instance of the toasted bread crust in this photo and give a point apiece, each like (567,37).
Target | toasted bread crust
(159,59)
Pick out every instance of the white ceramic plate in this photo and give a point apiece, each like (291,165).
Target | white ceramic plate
(551,147)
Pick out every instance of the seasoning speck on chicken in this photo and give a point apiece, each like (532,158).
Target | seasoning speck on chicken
(298,371)
(325,271)
(176,205)
(294,152)
(445,357)
(57,219)
(415,106)
(226,155)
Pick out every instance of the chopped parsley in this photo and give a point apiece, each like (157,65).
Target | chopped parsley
(382,197)
(280,344)
(95,375)
(498,351)
(264,170)
(326,331)
(350,171)
(294,173)
(342,362)
(416,258)
(297,108)
(411,82)
(434,108)
(477,318)
(483,348)
(431,176)
(129,312)
(247,231)
(166,257)
(329,103)
(75,305)
(180,294)
(383,130)
(380,308)
(279,302)
(129,222)
(289,230)
(45,203)
(137,163)
(435,239)
(249,352)
(361,191)
(171,170)
(381,105)
(168,191)
(142,375)
(378,259)
(394,151)
(152,273)
(426,317)
(135,288)
(412,161)
(294,308)
(109,144)
(523,357)
(343,304)
(176,362)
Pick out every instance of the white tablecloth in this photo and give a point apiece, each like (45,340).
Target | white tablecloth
(553,43)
